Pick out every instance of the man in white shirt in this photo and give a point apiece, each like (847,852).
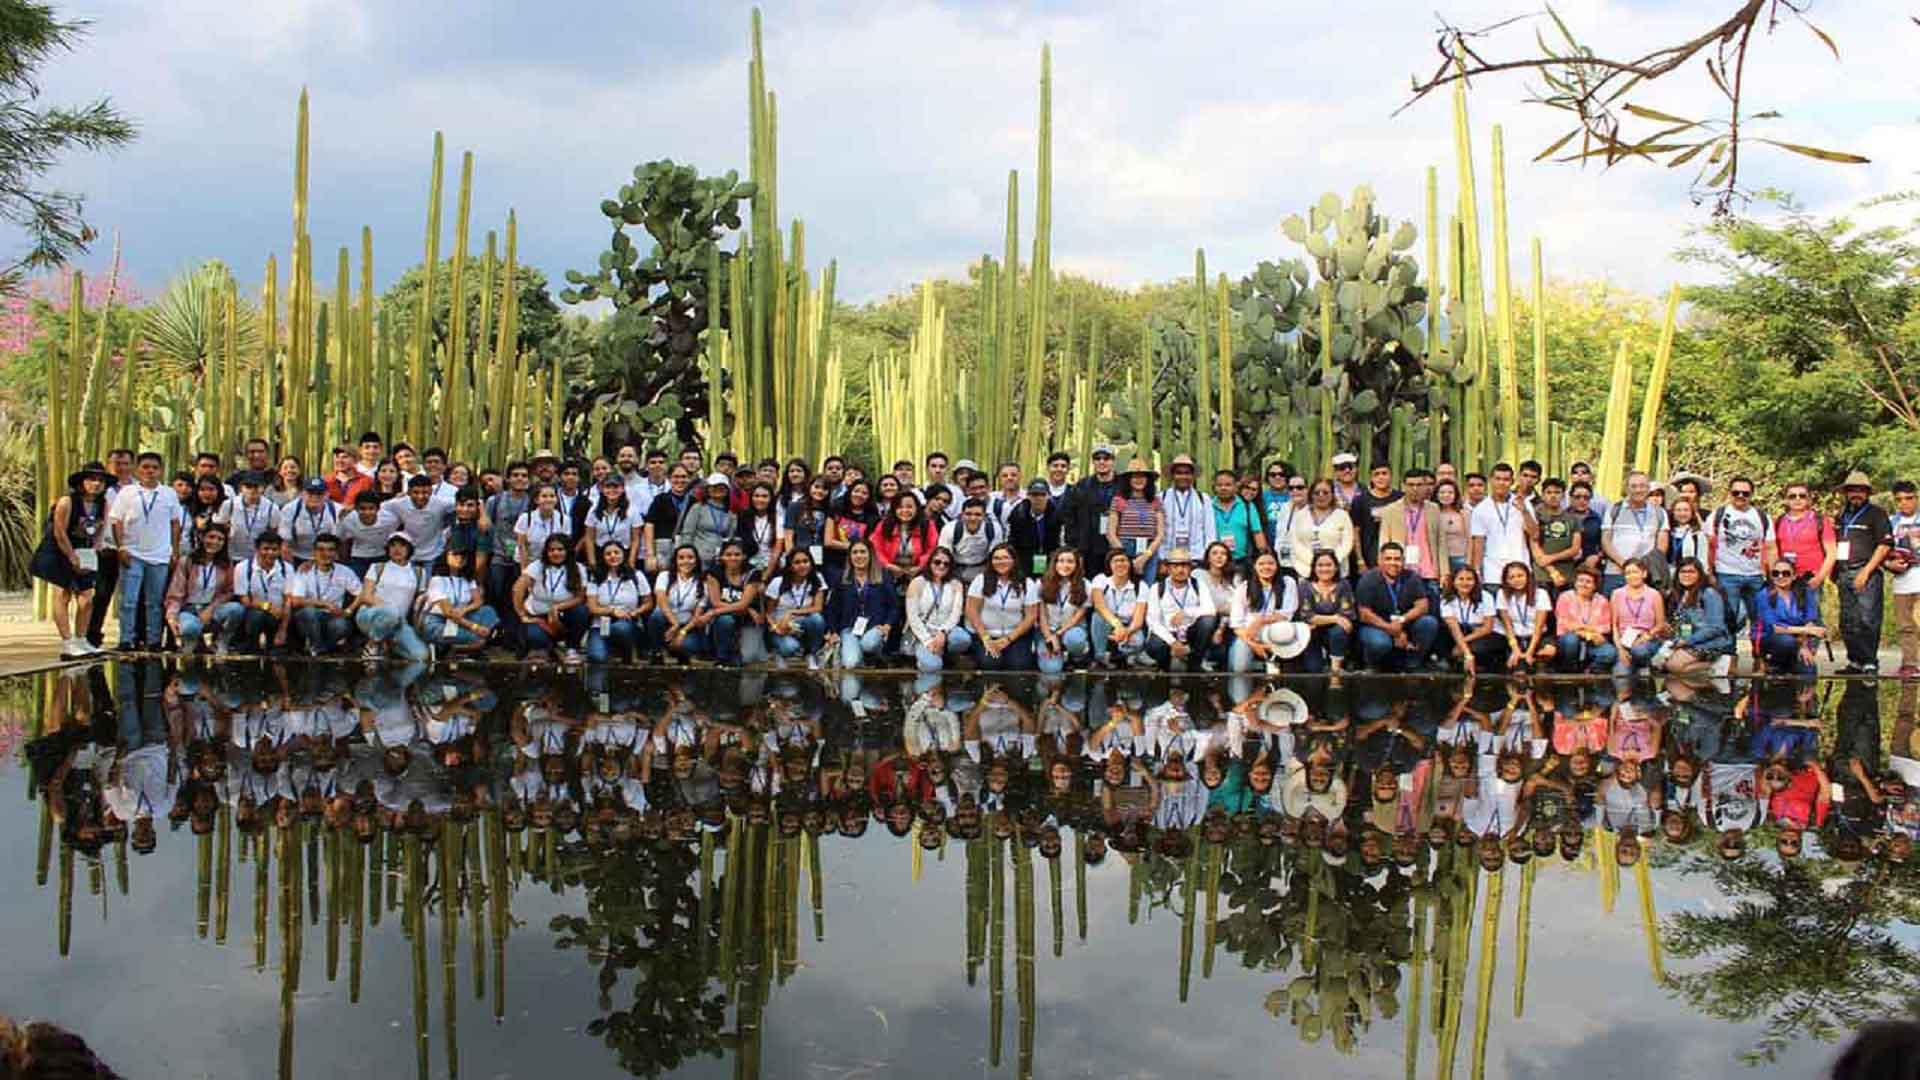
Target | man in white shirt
(146,529)
(1631,529)
(246,516)
(971,538)
(304,520)
(1741,535)
(1499,528)
(1010,494)
(319,595)
(258,609)
(1189,517)
(1180,614)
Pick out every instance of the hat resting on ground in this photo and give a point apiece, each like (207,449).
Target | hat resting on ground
(1287,639)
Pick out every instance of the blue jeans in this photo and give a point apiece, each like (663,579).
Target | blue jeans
(379,624)
(1015,656)
(622,637)
(1577,655)
(855,650)
(1330,643)
(323,631)
(1782,654)
(434,626)
(143,588)
(694,644)
(811,630)
(1610,582)
(959,642)
(723,638)
(1636,657)
(1074,641)
(573,628)
(1745,590)
(195,622)
(245,626)
(1104,644)
(1198,636)
(1379,653)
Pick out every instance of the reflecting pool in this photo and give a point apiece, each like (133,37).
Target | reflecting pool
(319,870)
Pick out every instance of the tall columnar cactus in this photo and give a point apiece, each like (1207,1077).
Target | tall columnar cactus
(1503,307)
(1656,385)
(421,381)
(1040,287)
(1204,451)
(453,374)
(1542,423)
(1223,307)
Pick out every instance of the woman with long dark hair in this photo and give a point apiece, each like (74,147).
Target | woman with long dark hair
(551,598)
(935,612)
(904,540)
(795,597)
(795,479)
(1327,607)
(67,558)
(610,520)
(1473,622)
(733,619)
(680,596)
(863,608)
(617,601)
(1699,618)
(456,616)
(854,518)
(759,528)
(1001,607)
(201,582)
(1135,521)
(1064,605)
(1262,616)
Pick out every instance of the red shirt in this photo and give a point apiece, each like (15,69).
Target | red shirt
(1805,543)
(343,489)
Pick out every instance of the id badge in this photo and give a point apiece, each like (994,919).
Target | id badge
(1039,565)
(605,625)
(818,552)
(449,630)
(1841,549)
(603,702)
(859,707)
(1106,524)
(1233,543)
(860,626)
(89,560)
(1412,552)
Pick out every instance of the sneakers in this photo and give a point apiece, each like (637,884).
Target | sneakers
(1722,666)
(813,662)
(570,657)
(75,648)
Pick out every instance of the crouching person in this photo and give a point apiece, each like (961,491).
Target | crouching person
(618,599)
(385,604)
(319,596)
(456,617)
(256,618)
(202,584)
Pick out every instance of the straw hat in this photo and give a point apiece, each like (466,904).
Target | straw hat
(1856,479)
(1138,466)
(1182,461)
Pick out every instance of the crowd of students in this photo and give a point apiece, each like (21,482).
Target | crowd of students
(643,556)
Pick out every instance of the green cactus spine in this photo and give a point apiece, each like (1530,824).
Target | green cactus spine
(420,384)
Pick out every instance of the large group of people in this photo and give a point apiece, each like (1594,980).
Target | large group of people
(645,556)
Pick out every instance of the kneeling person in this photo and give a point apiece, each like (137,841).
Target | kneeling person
(258,612)
(319,595)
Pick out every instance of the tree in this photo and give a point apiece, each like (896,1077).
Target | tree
(1592,87)
(34,138)
(650,355)
(539,318)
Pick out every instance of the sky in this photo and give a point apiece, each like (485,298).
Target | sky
(1176,126)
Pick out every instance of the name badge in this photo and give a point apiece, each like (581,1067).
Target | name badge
(1413,554)
(1106,524)
(606,625)
(89,559)
(450,630)
(859,707)
(1039,564)
(818,553)
(860,626)
(1841,549)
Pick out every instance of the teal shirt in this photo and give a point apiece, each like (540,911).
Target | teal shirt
(1235,525)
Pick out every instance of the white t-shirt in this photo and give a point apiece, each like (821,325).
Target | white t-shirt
(1522,614)
(1002,609)
(1120,599)
(1469,614)
(146,517)
(1055,615)
(1503,527)
(254,582)
(1906,534)
(365,540)
(394,586)
(457,592)
(618,592)
(298,526)
(337,584)
(786,599)
(245,522)
(684,596)
(608,528)
(1282,599)
(536,528)
(1633,531)
(1742,535)
(549,586)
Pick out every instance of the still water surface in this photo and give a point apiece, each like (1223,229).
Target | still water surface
(319,870)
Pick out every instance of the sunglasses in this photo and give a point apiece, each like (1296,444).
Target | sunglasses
(1276,475)
(1741,494)
(1296,487)
(1796,494)
(941,562)
(1781,574)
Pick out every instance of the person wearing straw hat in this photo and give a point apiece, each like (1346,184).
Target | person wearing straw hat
(1134,521)
(1189,516)
(67,559)
(1180,615)
(1864,541)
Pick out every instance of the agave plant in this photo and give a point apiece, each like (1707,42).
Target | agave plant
(186,327)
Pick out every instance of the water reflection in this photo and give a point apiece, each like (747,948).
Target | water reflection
(1363,856)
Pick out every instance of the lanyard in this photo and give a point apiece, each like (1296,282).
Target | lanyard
(1503,512)
(1393,595)
(547,580)
(252,517)
(327,589)
(1185,503)
(147,504)
(1416,518)
(459,590)
(1847,520)
(1182,597)
(763,531)
(254,564)
(207,570)
(315,517)
(1638,611)
(610,591)
(939,592)
(685,594)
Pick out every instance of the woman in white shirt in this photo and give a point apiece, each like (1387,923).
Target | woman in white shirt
(1000,612)
(551,599)
(1221,578)
(1524,613)
(1064,605)
(617,601)
(936,602)
(679,597)
(611,521)
(1262,616)
(795,598)
(1119,612)
(1473,622)
(1321,526)
(457,616)
(385,604)
(531,531)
